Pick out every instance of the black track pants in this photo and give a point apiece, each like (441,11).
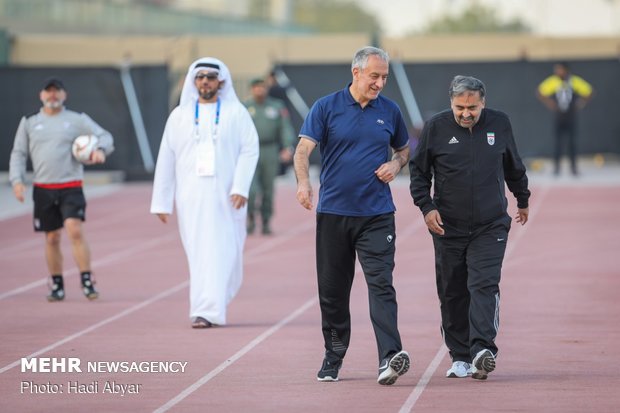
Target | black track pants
(338,239)
(468,267)
(565,134)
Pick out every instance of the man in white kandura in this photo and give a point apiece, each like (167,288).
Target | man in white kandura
(205,166)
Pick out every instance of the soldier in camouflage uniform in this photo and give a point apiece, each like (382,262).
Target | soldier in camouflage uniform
(276,135)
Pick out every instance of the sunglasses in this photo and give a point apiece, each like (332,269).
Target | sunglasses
(209,76)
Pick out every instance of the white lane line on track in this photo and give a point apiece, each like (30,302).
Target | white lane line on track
(259,249)
(248,347)
(432,367)
(72,271)
(24,245)
(266,246)
(116,256)
(102,323)
(39,239)
(426,377)
(409,230)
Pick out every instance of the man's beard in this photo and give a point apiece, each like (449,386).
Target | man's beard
(208,95)
(53,104)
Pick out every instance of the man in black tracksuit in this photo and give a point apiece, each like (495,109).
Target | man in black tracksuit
(470,151)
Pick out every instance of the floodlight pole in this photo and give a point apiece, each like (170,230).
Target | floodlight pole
(136,117)
(291,93)
(405,89)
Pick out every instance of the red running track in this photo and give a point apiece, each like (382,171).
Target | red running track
(559,317)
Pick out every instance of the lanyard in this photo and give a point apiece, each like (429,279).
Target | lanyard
(217,118)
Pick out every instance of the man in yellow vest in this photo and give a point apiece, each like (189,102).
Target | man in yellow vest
(565,94)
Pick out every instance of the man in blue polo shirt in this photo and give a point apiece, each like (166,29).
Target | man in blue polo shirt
(355,129)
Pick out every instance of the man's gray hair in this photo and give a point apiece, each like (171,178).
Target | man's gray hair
(463,84)
(360,59)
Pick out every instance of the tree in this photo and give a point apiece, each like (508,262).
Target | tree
(331,16)
(475,19)
(324,16)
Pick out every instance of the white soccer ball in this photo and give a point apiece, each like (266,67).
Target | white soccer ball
(83,148)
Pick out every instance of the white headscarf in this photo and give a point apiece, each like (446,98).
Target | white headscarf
(189,94)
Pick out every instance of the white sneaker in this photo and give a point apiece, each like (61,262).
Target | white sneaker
(483,364)
(459,369)
(393,368)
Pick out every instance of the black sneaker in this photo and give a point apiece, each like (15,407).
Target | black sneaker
(329,371)
(57,289)
(392,368)
(88,287)
(484,363)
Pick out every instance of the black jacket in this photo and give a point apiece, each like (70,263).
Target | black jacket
(469,167)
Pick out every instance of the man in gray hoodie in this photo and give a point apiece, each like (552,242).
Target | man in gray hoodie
(47,137)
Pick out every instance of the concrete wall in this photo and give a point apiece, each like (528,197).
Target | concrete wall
(500,47)
(252,55)
(244,55)
(515,61)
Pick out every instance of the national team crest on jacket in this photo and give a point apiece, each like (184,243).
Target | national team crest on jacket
(491,138)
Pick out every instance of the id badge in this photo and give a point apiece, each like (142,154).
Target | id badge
(205,158)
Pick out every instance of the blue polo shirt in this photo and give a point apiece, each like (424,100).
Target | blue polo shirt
(353,143)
